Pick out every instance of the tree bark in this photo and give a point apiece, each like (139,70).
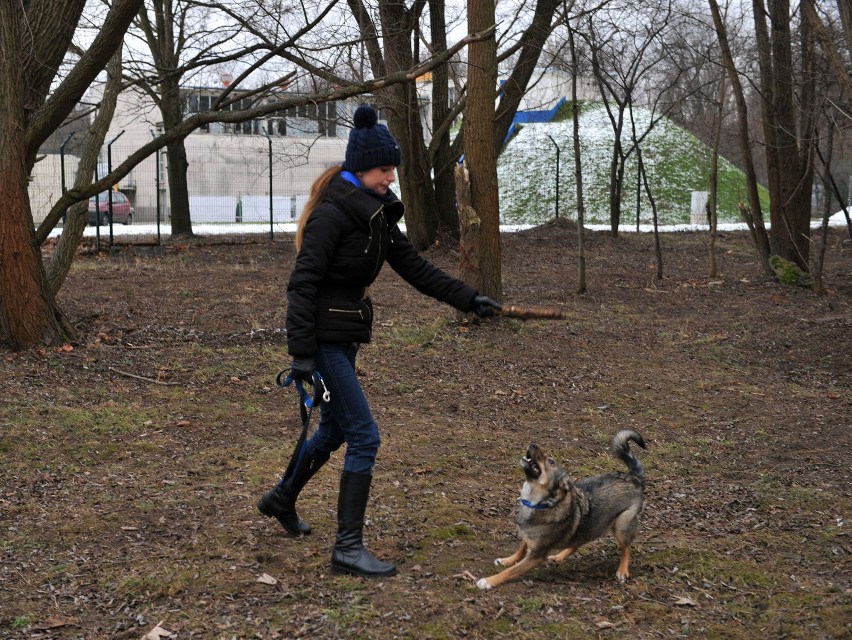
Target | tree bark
(469,230)
(445,193)
(28,312)
(479,147)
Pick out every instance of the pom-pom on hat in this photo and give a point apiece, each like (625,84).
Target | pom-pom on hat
(370,143)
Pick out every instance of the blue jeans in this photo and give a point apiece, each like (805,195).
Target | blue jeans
(347,416)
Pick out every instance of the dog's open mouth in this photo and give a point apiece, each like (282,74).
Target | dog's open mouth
(529,463)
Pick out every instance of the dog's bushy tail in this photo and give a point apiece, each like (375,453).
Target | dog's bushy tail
(620,447)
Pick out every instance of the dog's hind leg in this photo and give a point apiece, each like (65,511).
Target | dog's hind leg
(559,557)
(515,558)
(624,530)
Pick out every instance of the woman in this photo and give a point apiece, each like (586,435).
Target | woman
(346,233)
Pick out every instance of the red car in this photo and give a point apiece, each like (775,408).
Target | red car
(121,210)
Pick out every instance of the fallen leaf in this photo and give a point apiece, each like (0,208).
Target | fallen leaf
(683,601)
(157,633)
(605,624)
(267,579)
(53,623)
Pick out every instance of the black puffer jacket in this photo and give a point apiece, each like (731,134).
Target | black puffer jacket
(346,241)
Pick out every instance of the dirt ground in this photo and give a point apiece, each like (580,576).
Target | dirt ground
(131,462)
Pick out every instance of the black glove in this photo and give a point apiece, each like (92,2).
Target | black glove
(485,307)
(303,368)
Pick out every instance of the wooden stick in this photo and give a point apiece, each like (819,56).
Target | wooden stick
(526,313)
(143,378)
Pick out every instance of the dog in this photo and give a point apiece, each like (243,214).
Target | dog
(556,514)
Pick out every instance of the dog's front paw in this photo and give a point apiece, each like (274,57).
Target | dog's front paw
(483,583)
(499,562)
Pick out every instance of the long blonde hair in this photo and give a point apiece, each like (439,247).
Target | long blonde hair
(317,192)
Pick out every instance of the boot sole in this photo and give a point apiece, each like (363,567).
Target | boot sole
(293,532)
(341,570)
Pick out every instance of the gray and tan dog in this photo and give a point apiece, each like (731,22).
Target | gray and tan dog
(556,514)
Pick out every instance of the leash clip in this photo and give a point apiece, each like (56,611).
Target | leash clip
(308,400)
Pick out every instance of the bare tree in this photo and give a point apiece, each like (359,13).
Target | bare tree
(34,101)
(624,51)
(480,148)
(34,38)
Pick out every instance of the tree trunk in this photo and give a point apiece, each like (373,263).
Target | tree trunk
(788,162)
(755,215)
(819,284)
(480,154)
(445,192)
(712,197)
(578,166)
(469,231)
(75,223)
(415,178)
(176,161)
(29,316)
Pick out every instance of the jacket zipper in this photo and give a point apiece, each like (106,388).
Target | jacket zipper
(370,241)
(358,311)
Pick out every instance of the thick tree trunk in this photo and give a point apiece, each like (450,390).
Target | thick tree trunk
(480,153)
(28,313)
(789,166)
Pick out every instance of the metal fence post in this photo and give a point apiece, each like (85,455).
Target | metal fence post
(270,181)
(62,159)
(157,187)
(97,213)
(109,171)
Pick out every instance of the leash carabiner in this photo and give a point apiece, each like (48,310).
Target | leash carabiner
(309,400)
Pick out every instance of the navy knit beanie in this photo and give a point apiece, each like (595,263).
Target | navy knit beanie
(370,144)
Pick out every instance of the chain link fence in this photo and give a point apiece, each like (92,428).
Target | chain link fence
(238,186)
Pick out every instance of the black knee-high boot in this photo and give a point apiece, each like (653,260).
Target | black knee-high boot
(349,555)
(280,502)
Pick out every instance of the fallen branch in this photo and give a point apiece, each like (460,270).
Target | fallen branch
(143,378)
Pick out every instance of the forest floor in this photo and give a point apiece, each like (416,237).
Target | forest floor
(131,462)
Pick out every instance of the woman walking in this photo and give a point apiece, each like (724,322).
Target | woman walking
(347,232)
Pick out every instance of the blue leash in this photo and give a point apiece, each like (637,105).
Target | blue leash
(307,402)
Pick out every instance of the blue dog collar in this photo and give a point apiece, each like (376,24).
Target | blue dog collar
(532,505)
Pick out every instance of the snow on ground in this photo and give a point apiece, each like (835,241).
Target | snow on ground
(837,220)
